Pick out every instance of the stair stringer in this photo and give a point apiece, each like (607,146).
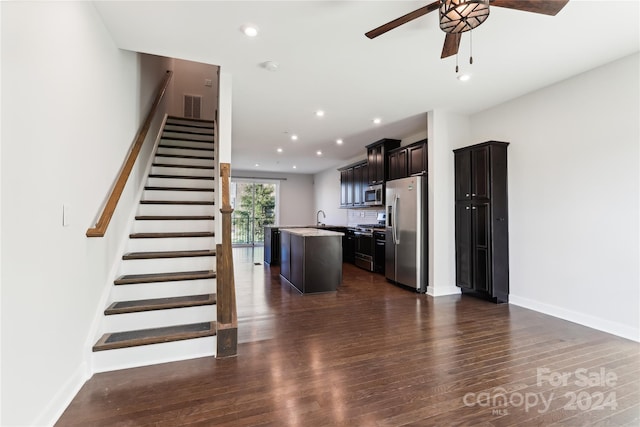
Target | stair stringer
(123,358)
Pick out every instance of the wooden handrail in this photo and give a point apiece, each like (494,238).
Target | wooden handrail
(227,316)
(105,218)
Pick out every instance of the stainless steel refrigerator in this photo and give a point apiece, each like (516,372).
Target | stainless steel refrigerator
(406,243)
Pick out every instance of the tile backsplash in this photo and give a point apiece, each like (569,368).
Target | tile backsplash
(362,216)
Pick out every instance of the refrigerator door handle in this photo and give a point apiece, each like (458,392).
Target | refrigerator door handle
(395,222)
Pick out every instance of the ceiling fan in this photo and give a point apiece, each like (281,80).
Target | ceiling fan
(458,16)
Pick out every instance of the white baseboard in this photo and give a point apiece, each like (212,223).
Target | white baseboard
(58,404)
(442,290)
(615,328)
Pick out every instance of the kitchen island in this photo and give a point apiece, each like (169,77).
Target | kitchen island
(311,259)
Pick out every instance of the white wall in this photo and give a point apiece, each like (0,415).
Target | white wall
(446,130)
(574,188)
(296,195)
(190,79)
(71,106)
(415,137)
(326,196)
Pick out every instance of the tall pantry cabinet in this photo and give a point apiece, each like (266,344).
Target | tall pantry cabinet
(482,232)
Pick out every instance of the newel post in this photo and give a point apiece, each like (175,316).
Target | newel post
(227,318)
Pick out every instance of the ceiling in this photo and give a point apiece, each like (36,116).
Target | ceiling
(326,62)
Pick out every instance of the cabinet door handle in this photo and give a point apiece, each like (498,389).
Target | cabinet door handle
(466,195)
(467,207)
(474,208)
(473,194)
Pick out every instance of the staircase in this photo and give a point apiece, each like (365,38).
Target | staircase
(162,305)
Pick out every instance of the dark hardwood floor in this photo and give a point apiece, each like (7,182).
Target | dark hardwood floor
(372,354)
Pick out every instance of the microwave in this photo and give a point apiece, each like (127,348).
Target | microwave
(374,195)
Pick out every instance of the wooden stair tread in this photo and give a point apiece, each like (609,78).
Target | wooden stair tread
(155,335)
(131,279)
(121,307)
(209,138)
(169,254)
(175,202)
(192,120)
(203,123)
(180,147)
(180,156)
(156,188)
(194,130)
(208,178)
(171,165)
(175,218)
(171,235)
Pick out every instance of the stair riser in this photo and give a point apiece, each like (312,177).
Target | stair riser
(160,170)
(184,152)
(181,182)
(163,290)
(200,196)
(166,265)
(188,129)
(187,137)
(159,318)
(180,161)
(171,244)
(171,210)
(103,361)
(158,226)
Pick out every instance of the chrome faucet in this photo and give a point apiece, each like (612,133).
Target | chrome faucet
(324,215)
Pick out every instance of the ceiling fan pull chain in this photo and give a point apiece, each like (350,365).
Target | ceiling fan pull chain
(456,62)
(471,47)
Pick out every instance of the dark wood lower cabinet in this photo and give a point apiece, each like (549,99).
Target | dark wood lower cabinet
(272,245)
(311,259)
(482,235)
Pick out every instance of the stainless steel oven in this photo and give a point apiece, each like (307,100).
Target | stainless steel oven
(365,247)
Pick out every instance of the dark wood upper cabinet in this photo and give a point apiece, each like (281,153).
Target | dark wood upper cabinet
(353,180)
(417,159)
(360,182)
(377,159)
(481,220)
(397,164)
(409,160)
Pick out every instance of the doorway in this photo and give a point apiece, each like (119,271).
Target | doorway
(254,204)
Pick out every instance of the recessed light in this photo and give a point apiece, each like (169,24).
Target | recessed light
(257,164)
(249,30)
(319,153)
(295,167)
(464,77)
(377,121)
(339,141)
(279,150)
(294,137)
(319,113)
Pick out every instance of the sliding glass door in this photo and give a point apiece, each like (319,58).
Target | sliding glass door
(254,205)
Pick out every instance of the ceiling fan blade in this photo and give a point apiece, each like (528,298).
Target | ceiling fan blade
(451,45)
(546,7)
(403,20)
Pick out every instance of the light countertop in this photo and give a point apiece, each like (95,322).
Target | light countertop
(311,232)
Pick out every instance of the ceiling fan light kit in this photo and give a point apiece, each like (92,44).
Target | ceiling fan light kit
(459,16)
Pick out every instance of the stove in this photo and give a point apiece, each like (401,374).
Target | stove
(369,227)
